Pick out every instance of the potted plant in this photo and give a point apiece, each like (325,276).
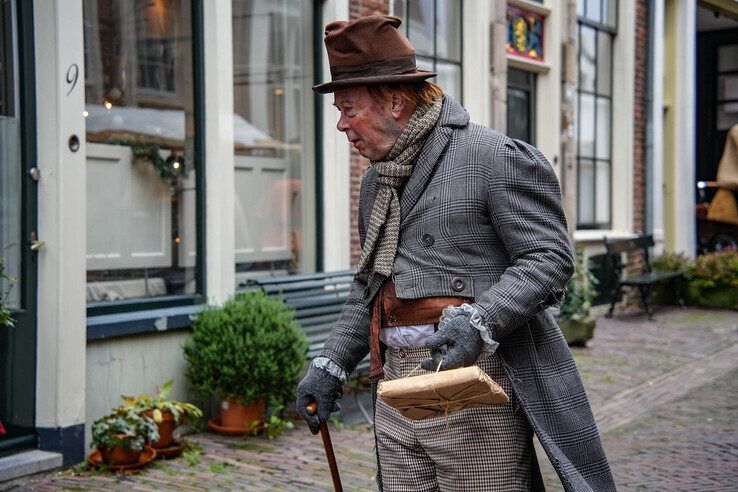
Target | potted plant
(167,414)
(713,281)
(573,317)
(120,436)
(249,352)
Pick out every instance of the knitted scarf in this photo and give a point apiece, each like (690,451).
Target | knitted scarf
(380,245)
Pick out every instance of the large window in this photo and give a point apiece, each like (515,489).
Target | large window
(434,28)
(273,137)
(141,160)
(597,27)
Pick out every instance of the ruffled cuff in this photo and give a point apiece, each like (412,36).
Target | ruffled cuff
(331,368)
(475,319)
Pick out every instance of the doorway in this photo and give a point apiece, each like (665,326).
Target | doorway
(17,225)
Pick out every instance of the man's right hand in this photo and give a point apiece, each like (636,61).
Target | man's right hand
(319,386)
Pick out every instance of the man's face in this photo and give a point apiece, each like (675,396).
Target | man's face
(369,123)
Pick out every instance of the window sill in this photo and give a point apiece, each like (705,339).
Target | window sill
(139,322)
(598,235)
(527,64)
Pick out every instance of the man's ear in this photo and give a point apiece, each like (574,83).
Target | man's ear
(398,106)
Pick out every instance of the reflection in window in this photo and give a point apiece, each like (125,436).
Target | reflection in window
(273,137)
(594,102)
(141,234)
(434,28)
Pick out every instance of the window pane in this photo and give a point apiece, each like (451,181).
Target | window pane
(517,114)
(420,24)
(602,146)
(728,57)
(586,125)
(10,159)
(727,115)
(587,58)
(585,195)
(593,10)
(448,30)
(602,194)
(141,232)
(273,140)
(580,8)
(604,63)
(400,12)
(449,77)
(610,12)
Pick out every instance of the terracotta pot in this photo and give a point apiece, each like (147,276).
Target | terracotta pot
(236,415)
(119,456)
(166,429)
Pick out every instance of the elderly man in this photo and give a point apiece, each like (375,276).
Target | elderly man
(464,246)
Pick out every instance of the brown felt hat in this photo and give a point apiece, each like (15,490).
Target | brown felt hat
(369,50)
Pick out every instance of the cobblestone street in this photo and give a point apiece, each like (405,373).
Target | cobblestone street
(663,394)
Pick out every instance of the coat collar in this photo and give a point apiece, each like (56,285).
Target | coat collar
(452,116)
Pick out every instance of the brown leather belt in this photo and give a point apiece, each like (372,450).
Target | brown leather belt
(389,310)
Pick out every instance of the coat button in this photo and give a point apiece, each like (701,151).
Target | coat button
(366,293)
(428,240)
(402,353)
(458,284)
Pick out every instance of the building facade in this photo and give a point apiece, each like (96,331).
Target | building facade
(157,154)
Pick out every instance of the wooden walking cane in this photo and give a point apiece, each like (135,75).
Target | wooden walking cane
(312,409)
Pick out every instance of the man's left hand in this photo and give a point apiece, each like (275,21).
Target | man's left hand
(456,342)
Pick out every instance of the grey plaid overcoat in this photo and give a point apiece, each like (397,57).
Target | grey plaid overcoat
(481,217)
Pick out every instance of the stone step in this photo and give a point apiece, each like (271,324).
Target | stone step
(27,463)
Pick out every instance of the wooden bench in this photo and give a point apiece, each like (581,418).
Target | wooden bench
(317,299)
(643,282)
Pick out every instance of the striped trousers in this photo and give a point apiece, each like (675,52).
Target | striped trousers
(476,449)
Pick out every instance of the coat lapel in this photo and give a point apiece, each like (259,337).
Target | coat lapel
(452,115)
(423,169)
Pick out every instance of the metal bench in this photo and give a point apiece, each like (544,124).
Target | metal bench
(317,299)
(643,282)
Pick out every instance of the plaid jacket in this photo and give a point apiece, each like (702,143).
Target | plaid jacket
(481,217)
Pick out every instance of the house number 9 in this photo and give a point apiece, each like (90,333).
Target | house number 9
(72,76)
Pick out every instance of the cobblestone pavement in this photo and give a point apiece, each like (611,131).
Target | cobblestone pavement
(663,394)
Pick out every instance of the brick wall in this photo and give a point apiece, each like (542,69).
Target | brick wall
(639,126)
(359,8)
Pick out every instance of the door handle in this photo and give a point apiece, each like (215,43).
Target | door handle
(35,244)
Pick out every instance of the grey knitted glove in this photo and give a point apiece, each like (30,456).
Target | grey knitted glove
(457,342)
(322,387)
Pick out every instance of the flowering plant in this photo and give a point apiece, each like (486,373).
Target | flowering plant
(159,404)
(715,270)
(125,428)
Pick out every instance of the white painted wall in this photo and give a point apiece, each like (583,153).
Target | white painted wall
(220,263)
(623,80)
(476,60)
(682,205)
(131,366)
(60,388)
(336,167)
(656,185)
(548,90)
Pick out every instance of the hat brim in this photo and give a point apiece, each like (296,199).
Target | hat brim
(415,76)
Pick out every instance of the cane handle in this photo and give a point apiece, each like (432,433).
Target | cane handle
(312,409)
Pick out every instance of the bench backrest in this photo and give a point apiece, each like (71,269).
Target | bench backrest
(619,246)
(317,299)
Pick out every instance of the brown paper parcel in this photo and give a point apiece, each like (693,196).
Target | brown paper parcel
(441,393)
